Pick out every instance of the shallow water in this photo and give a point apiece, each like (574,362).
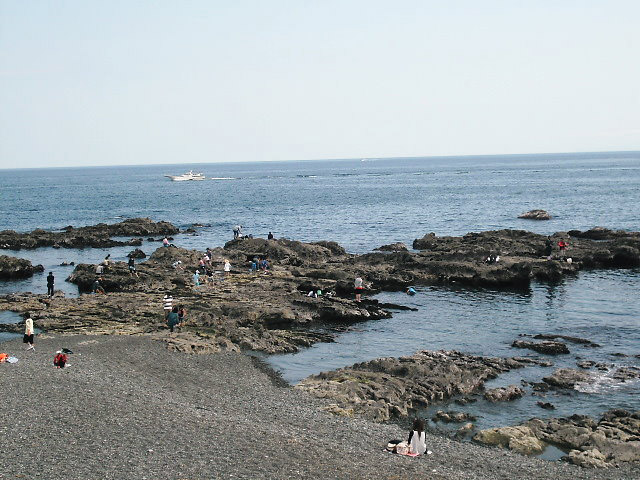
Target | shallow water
(601,306)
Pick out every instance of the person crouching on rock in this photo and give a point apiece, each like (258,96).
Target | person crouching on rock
(417,438)
(97,288)
(173,319)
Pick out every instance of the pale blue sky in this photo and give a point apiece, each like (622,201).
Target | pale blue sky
(134,82)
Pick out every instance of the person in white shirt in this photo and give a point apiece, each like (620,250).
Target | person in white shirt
(167,305)
(417,438)
(28,332)
(358,285)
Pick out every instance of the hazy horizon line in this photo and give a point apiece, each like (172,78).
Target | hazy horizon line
(325,159)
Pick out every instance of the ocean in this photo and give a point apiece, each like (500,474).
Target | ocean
(365,203)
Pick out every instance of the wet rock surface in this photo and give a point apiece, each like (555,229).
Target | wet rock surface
(504,394)
(388,388)
(90,236)
(547,347)
(609,442)
(452,417)
(567,378)
(16,268)
(536,215)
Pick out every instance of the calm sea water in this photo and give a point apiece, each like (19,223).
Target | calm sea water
(362,205)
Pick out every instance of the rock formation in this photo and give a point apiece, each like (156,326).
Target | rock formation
(536,215)
(609,442)
(91,236)
(392,387)
(15,268)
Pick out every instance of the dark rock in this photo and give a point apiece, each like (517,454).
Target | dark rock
(15,268)
(536,215)
(393,247)
(578,340)
(546,405)
(550,348)
(452,417)
(137,253)
(466,400)
(92,236)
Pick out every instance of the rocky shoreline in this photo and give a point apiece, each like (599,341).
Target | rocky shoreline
(272,312)
(127,407)
(91,236)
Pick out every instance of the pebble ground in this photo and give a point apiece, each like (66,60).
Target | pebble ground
(127,408)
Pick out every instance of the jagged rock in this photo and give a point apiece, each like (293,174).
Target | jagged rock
(137,253)
(546,405)
(452,417)
(389,387)
(13,268)
(548,347)
(566,378)
(588,458)
(465,400)
(536,215)
(393,247)
(504,394)
(519,438)
(91,236)
(465,430)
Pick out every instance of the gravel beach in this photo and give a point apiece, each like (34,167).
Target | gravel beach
(127,408)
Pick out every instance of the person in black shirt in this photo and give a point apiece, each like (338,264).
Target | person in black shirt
(50,283)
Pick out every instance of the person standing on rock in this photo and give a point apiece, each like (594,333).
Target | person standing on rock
(196,278)
(563,248)
(167,305)
(182,313)
(358,285)
(132,267)
(165,242)
(172,319)
(270,236)
(227,267)
(28,332)
(548,248)
(50,283)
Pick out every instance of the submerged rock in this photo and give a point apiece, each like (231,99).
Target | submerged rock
(549,347)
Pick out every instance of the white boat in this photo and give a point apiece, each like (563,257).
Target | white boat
(186,176)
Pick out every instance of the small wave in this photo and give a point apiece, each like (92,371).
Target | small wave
(306,176)
(604,382)
(224,178)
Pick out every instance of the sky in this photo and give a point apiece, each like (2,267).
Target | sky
(148,82)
